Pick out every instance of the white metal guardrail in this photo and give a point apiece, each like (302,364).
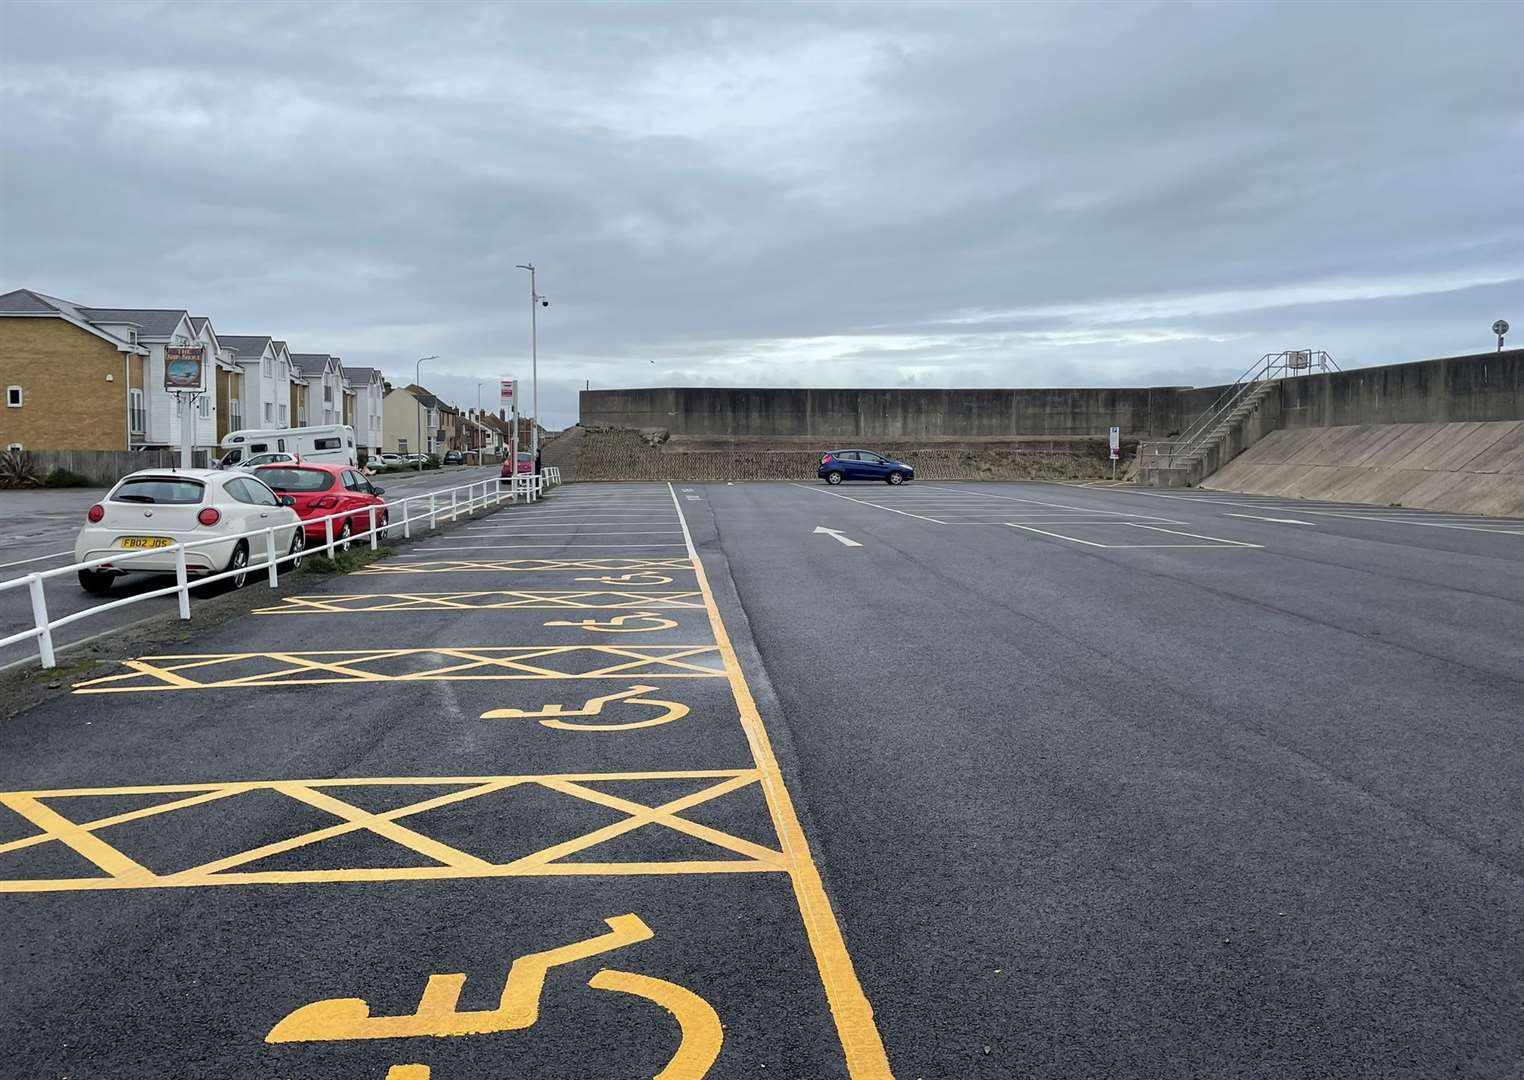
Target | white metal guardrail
(421,511)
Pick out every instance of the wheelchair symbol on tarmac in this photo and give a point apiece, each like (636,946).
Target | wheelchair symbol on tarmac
(346,1019)
(617,624)
(642,578)
(549,715)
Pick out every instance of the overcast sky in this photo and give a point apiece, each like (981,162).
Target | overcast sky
(770,194)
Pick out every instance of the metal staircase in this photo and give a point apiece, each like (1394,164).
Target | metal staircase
(1189,450)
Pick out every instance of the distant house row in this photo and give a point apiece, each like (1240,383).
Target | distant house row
(92,378)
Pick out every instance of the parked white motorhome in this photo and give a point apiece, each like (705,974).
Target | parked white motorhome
(331,443)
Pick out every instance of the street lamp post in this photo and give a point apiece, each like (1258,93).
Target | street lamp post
(417,382)
(535,301)
(481,432)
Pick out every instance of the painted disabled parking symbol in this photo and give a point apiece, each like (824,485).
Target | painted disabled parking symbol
(438,1013)
(638,622)
(552,716)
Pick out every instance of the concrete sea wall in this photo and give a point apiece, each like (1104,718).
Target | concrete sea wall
(1477,387)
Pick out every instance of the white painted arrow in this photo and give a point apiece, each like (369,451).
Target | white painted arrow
(1278,521)
(834,535)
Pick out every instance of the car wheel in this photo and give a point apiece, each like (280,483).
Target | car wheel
(833,478)
(344,535)
(298,546)
(95,582)
(895,478)
(238,566)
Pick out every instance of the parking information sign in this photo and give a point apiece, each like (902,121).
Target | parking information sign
(510,393)
(1116,443)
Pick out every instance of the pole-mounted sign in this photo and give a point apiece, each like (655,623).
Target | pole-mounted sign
(1500,328)
(1116,443)
(185,368)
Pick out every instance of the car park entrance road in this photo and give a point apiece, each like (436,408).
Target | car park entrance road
(646,781)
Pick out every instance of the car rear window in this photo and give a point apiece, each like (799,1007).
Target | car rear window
(159,489)
(297,479)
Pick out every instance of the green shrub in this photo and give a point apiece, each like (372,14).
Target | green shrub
(362,457)
(431,462)
(65,478)
(17,469)
(344,562)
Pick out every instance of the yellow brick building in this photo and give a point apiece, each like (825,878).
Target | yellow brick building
(68,385)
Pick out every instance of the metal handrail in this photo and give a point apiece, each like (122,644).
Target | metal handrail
(529,487)
(1268,368)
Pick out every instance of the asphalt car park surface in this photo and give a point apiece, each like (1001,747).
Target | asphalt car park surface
(951,780)
(38,531)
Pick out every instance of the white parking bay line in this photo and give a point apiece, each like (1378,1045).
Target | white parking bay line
(1196,536)
(1056,536)
(860,502)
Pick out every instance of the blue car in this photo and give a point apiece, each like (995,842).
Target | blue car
(839,465)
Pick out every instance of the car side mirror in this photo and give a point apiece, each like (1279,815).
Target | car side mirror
(378,491)
(288,500)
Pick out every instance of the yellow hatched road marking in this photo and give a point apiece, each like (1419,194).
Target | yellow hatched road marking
(122,872)
(864,1049)
(498,600)
(461,566)
(162,673)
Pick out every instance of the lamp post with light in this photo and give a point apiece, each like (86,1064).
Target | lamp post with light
(418,385)
(535,301)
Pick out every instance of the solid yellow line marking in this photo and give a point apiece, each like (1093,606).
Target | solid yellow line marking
(859,1035)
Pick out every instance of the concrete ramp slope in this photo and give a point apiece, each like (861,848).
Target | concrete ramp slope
(1473,468)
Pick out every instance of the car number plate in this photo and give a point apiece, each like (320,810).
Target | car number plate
(146,541)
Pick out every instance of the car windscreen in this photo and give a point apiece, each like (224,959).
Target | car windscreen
(162,490)
(296,479)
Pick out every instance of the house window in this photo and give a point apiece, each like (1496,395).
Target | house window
(13,397)
(269,413)
(264,366)
(282,416)
(205,407)
(137,415)
(327,396)
(235,414)
(401,446)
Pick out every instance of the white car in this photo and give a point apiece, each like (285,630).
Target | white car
(272,458)
(389,459)
(155,508)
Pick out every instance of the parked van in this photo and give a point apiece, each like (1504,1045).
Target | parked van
(333,444)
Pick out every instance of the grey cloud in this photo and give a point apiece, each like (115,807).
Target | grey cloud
(777,193)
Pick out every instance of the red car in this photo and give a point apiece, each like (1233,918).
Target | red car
(526,465)
(321,490)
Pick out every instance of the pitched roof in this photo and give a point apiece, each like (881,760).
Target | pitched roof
(198,323)
(245,345)
(151,322)
(27,302)
(311,363)
(364,374)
